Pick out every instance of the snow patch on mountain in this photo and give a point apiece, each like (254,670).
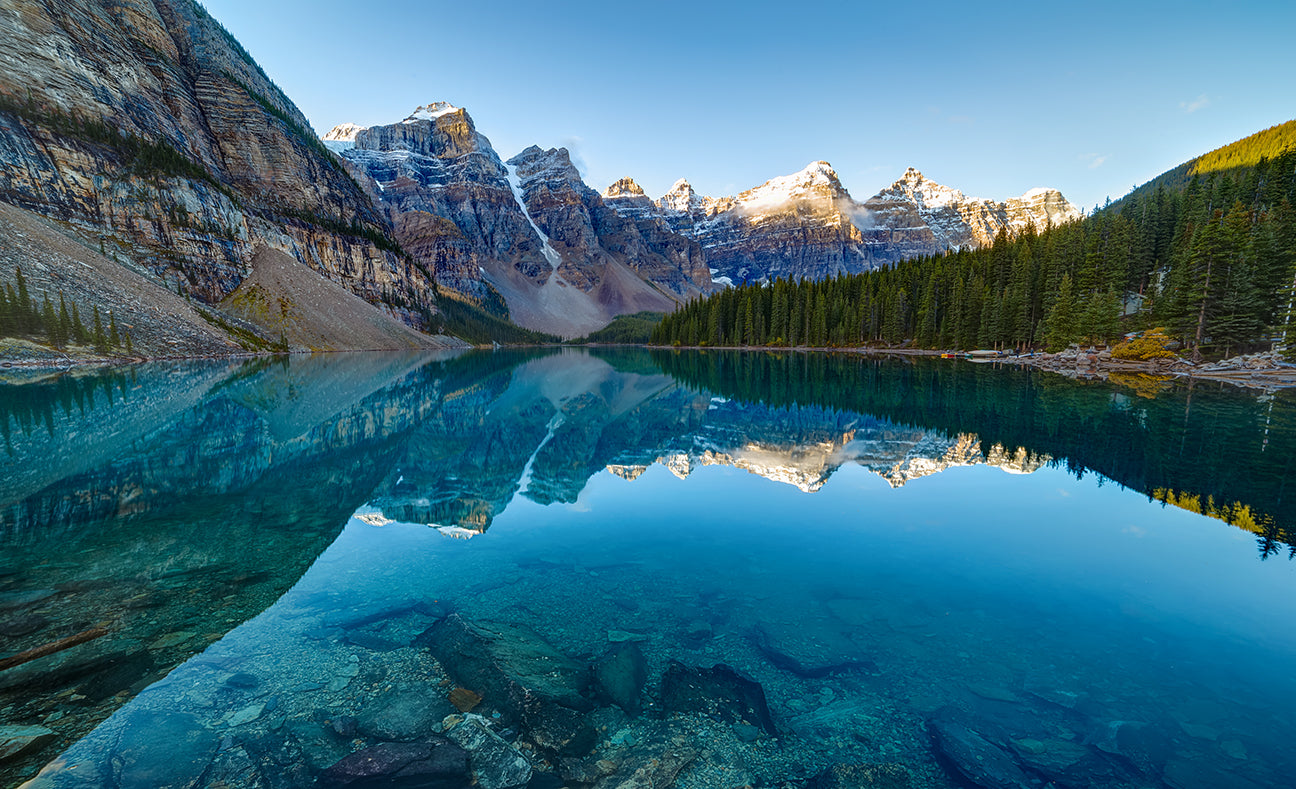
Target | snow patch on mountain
(342,137)
(515,184)
(430,112)
(344,132)
(817,179)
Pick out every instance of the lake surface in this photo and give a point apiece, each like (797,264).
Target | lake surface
(640,569)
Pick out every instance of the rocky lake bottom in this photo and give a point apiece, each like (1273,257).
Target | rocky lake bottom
(786,609)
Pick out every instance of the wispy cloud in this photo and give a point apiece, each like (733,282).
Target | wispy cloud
(961,120)
(1094,160)
(1201,102)
(574,146)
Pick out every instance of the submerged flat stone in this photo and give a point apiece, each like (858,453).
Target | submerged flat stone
(436,763)
(974,759)
(403,715)
(520,674)
(17,740)
(495,764)
(808,649)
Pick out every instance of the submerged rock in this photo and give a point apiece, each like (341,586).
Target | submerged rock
(619,676)
(719,692)
(403,715)
(495,764)
(17,740)
(464,700)
(969,757)
(162,749)
(436,763)
(1061,761)
(807,650)
(533,685)
(1142,745)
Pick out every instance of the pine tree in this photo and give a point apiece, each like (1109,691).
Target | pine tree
(78,328)
(49,321)
(64,322)
(1061,328)
(100,339)
(114,340)
(24,314)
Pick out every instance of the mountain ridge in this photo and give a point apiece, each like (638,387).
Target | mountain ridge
(806,224)
(527,235)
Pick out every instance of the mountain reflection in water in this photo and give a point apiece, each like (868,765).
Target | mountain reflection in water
(167,504)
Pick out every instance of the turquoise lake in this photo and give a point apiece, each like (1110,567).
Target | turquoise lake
(643,569)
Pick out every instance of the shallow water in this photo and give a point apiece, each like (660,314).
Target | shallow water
(961,572)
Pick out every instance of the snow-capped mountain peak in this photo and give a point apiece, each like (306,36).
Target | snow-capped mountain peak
(342,137)
(815,180)
(430,112)
(682,199)
(924,193)
(343,132)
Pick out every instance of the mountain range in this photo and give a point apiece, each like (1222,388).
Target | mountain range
(566,260)
(142,136)
(806,225)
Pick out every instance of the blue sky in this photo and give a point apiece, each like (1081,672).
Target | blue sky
(991,98)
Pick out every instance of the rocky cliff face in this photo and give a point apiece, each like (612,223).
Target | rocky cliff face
(529,231)
(956,221)
(146,125)
(807,224)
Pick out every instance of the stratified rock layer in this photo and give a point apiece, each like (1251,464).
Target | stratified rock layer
(148,125)
(529,232)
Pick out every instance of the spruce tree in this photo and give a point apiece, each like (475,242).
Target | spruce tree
(64,321)
(1060,328)
(24,314)
(100,339)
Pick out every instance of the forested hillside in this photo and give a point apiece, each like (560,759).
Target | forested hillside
(1212,263)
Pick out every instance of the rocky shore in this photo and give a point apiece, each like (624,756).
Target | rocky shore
(1266,371)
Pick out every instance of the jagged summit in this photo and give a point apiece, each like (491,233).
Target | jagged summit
(430,112)
(625,187)
(916,188)
(815,180)
(343,132)
(681,199)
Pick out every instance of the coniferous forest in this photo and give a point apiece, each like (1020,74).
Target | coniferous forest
(57,324)
(1206,251)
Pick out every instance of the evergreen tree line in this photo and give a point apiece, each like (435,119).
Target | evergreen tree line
(1212,263)
(57,326)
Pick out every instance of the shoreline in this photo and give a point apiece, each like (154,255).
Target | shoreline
(1079,366)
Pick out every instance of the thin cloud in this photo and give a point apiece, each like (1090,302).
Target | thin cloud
(1093,160)
(573,146)
(1201,102)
